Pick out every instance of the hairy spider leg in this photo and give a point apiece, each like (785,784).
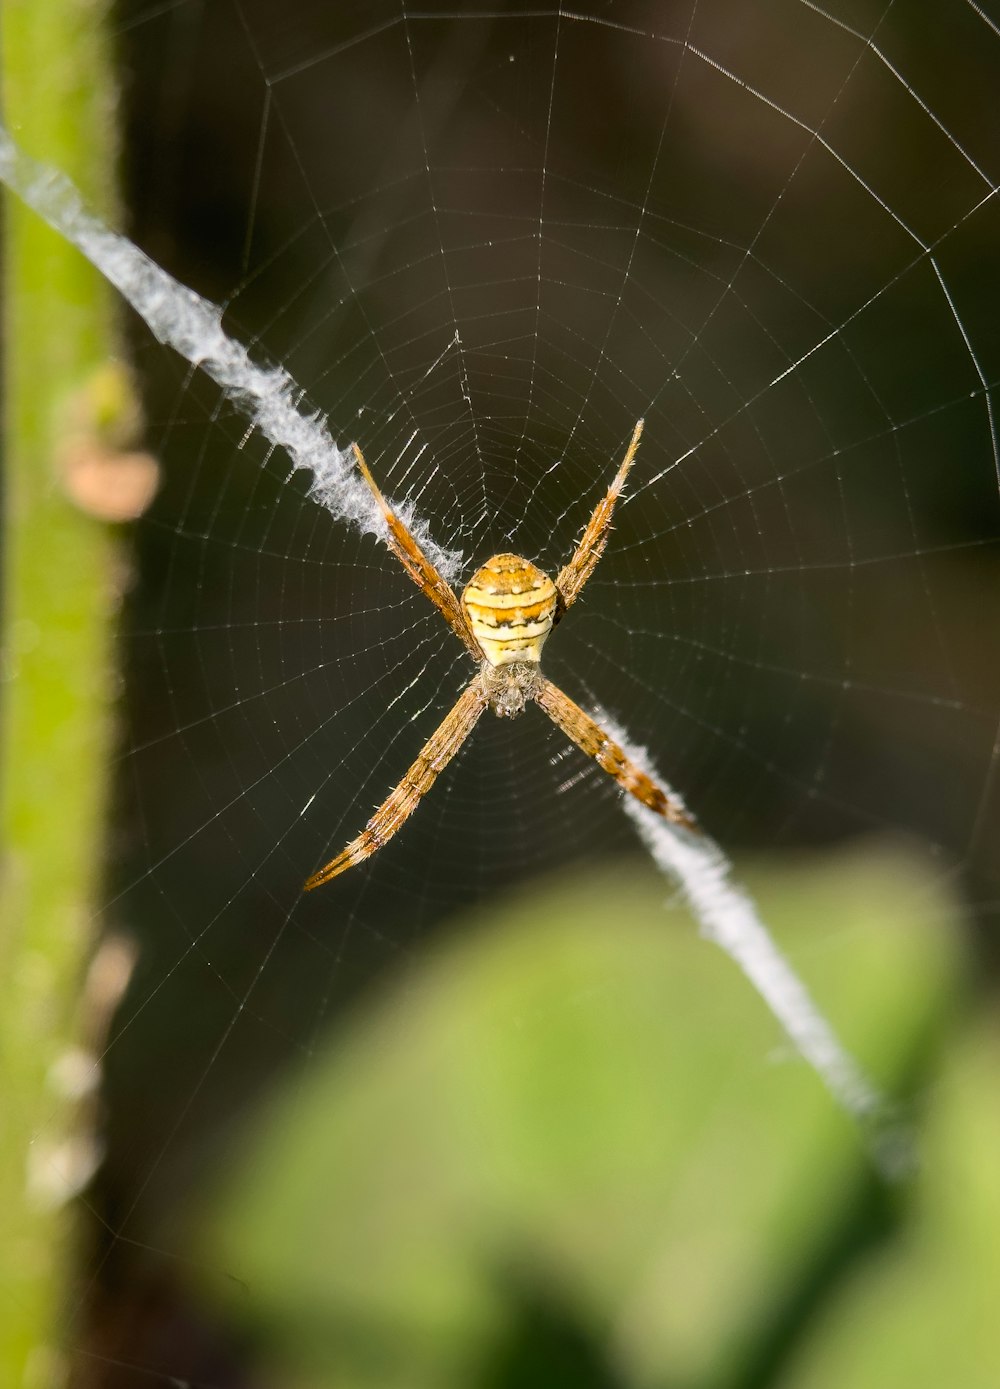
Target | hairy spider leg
(403,800)
(591,738)
(420,569)
(572,577)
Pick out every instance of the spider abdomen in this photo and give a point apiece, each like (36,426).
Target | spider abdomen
(510,605)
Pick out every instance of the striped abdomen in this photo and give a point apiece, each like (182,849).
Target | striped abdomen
(510,606)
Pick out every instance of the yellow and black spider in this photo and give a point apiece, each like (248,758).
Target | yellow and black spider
(507,610)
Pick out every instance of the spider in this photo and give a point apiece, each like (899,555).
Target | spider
(507,610)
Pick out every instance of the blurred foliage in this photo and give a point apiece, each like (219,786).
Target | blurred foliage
(571,1148)
(61,588)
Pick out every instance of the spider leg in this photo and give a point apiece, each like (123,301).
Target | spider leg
(575,574)
(581,729)
(419,567)
(403,800)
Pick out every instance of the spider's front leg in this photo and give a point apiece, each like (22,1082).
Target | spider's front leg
(420,569)
(403,800)
(572,577)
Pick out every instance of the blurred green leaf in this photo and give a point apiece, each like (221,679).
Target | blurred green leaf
(573,1147)
(926,1313)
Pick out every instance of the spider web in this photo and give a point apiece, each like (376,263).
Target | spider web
(485,242)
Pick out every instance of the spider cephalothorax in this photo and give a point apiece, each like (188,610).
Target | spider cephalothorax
(508,688)
(507,610)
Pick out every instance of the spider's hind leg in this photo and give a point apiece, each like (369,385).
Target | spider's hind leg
(591,738)
(403,800)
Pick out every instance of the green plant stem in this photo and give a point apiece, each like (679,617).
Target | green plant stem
(59,584)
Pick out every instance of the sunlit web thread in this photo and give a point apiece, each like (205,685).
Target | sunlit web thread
(192,326)
(728,917)
(926,249)
(271,110)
